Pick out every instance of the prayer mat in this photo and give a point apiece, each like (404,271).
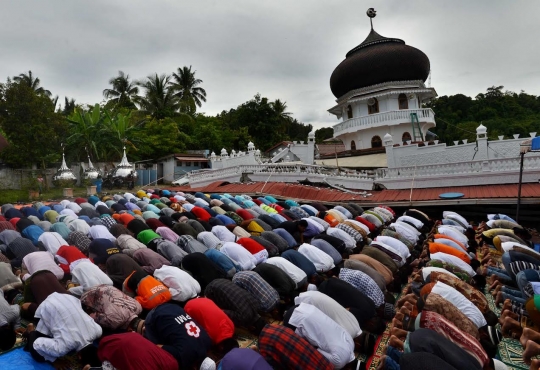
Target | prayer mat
(510,350)
(24,360)
(373,361)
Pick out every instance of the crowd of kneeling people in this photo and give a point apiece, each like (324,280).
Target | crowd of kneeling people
(162,279)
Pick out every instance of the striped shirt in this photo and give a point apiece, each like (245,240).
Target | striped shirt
(209,239)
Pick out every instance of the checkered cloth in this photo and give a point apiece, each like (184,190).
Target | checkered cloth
(281,347)
(107,221)
(267,296)
(80,240)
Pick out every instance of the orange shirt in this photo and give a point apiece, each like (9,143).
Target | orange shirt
(331,220)
(437,247)
(441,236)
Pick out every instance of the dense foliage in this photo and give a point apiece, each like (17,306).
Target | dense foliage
(502,112)
(152,117)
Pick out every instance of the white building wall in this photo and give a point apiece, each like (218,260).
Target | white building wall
(168,169)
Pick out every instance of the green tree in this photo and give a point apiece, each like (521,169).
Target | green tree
(502,112)
(85,128)
(159,100)
(69,106)
(123,91)
(158,138)
(28,121)
(32,82)
(323,133)
(186,88)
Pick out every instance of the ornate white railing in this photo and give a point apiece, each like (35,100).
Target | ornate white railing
(275,169)
(385,117)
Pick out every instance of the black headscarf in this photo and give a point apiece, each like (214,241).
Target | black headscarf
(136,226)
(103,210)
(119,267)
(167,221)
(202,268)
(23,223)
(182,228)
(423,361)
(429,341)
(118,229)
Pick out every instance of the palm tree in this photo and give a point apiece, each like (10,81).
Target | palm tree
(284,117)
(281,109)
(123,91)
(186,89)
(32,83)
(159,99)
(69,106)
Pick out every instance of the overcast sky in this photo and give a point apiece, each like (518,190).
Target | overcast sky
(284,49)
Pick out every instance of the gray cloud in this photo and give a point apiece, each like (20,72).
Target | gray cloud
(281,49)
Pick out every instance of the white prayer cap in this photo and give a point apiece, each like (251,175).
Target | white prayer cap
(208,364)
(499,365)
(312,287)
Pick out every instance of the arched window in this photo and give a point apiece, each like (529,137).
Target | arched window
(374,106)
(353,145)
(376,142)
(405,137)
(403,101)
(349,112)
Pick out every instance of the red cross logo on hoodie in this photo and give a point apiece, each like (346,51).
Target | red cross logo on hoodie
(192,329)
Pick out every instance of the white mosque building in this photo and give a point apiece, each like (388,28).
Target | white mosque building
(380,91)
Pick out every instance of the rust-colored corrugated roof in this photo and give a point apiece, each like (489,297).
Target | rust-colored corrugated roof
(327,149)
(506,193)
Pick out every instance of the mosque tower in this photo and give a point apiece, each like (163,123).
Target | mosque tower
(380,90)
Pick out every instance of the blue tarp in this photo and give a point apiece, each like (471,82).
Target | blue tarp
(535,145)
(21,360)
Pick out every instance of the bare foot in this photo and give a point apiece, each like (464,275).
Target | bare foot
(531,349)
(30,328)
(397,323)
(382,363)
(408,306)
(400,333)
(535,364)
(529,334)
(496,290)
(499,300)
(254,347)
(493,279)
(511,328)
(395,342)
(508,313)
(399,316)
(507,305)
(405,311)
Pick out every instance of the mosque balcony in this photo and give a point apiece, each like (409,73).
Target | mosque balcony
(390,118)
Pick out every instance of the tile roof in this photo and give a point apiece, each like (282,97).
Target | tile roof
(330,148)
(481,194)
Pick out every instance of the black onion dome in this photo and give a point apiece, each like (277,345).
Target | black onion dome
(377,60)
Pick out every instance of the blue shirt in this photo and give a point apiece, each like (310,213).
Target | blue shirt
(300,261)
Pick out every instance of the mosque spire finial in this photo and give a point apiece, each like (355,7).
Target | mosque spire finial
(371,13)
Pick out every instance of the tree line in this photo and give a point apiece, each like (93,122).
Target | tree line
(504,113)
(152,117)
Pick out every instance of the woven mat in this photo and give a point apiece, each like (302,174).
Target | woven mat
(510,350)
